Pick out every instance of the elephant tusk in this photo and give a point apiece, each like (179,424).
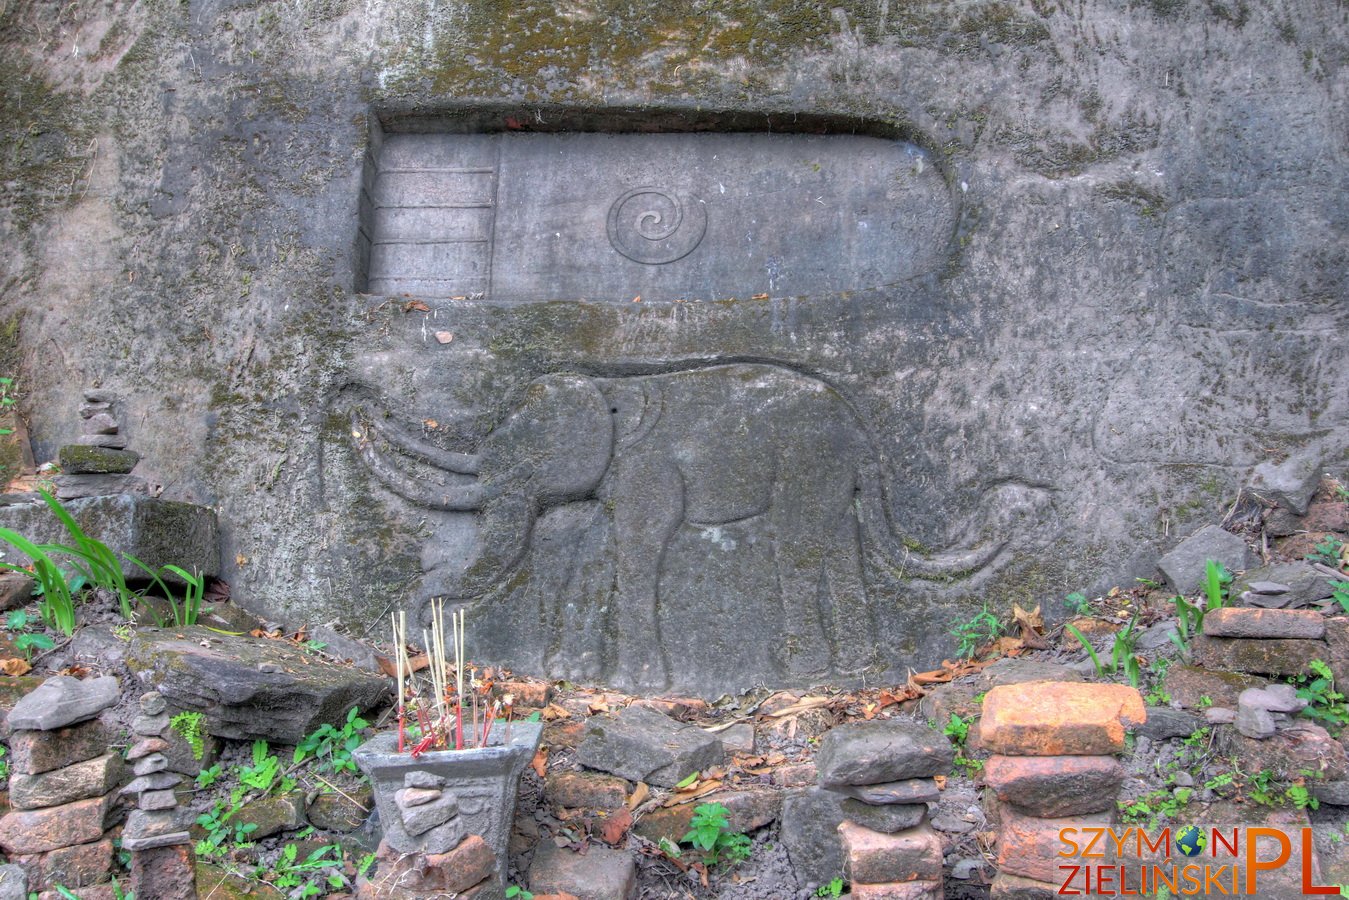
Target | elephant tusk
(462,498)
(459,463)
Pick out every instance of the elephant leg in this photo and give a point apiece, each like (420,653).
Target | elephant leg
(649,495)
(798,554)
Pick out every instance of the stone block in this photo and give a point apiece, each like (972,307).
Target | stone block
(882,751)
(35,752)
(250,689)
(809,830)
(1250,622)
(43,830)
(83,487)
(13,882)
(1055,786)
(155,531)
(16,589)
(886,819)
(1288,752)
(908,890)
(274,815)
(83,459)
(1059,719)
(910,790)
(165,873)
(1014,887)
(1184,566)
(526,694)
(343,814)
(61,701)
(1164,723)
(1299,583)
(641,744)
(875,857)
(1279,656)
(1029,846)
(747,809)
(1196,688)
(73,867)
(91,778)
(600,874)
(149,830)
(585,790)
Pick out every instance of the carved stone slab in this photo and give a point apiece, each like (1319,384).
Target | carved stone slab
(527,217)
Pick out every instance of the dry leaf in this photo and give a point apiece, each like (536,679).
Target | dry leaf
(240,559)
(688,796)
(417,663)
(554,712)
(540,762)
(15,666)
(431,423)
(800,706)
(637,299)
(386,666)
(759,297)
(417,305)
(1029,622)
(614,828)
(941,782)
(639,795)
(444,336)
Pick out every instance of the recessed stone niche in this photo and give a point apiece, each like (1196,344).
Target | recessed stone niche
(595,210)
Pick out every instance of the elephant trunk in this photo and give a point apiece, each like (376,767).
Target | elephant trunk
(465,497)
(505,528)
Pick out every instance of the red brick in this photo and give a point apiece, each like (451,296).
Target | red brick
(1277,656)
(91,778)
(34,752)
(1055,718)
(527,694)
(586,790)
(462,867)
(41,830)
(909,890)
(165,873)
(1029,847)
(1052,786)
(77,866)
(876,858)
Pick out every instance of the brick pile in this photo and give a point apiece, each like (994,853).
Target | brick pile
(63,786)
(1054,766)
(162,862)
(885,775)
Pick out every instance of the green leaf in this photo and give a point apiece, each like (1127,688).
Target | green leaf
(687,782)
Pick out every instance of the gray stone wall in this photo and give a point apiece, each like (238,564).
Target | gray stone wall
(1141,300)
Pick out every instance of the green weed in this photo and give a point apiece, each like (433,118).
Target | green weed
(332,746)
(1216,581)
(980,630)
(832,889)
(188,726)
(1077,604)
(1328,552)
(709,832)
(1324,701)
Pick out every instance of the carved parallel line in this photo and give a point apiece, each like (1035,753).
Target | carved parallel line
(482,205)
(448,170)
(434,241)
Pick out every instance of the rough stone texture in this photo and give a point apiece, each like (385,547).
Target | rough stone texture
(640,744)
(1184,566)
(64,700)
(910,890)
(274,815)
(334,812)
(247,688)
(810,820)
(41,830)
(16,589)
(1195,688)
(1236,622)
(1301,745)
(1055,786)
(1277,656)
(1164,722)
(82,459)
(73,867)
(911,790)
(747,809)
(1279,698)
(1014,887)
(92,778)
(13,882)
(599,875)
(1114,187)
(12,690)
(165,873)
(576,790)
(1028,846)
(874,857)
(449,874)
(157,532)
(882,751)
(34,752)
(1304,585)
(1056,719)
(80,487)
(886,819)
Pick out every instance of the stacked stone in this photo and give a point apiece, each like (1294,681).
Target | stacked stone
(884,773)
(156,832)
(98,462)
(428,851)
(1054,766)
(62,785)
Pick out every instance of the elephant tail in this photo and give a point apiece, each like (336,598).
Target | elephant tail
(1000,512)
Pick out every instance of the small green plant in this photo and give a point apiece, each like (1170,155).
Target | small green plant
(188,726)
(516,891)
(1122,656)
(1328,552)
(7,400)
(4,763)
(332,746)
(301,878)
(1324,701)
(709,832)
(980,630)
(1157,806)
(1077,604)
(958,729)
(208,777)
(263,776)
(1216,581)
(1205,701)
(1340,594)
(26,641)
(832,889)
(222,833)
(1189,622)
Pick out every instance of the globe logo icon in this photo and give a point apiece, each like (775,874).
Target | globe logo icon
(1191,841)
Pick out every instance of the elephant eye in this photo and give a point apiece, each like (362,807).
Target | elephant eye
(613,410)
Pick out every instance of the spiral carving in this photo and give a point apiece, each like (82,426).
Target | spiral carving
(652,226)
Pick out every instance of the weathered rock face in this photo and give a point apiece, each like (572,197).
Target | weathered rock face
(1088,216)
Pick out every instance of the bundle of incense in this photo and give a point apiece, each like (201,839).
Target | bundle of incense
(457,622)
(400,654)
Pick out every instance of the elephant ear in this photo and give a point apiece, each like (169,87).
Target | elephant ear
(560,439)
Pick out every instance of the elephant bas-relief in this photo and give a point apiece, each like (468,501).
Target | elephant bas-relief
(756,450)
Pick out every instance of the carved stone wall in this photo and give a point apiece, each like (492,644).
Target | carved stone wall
(1023,289)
